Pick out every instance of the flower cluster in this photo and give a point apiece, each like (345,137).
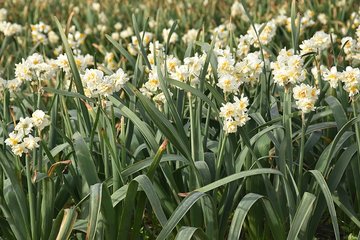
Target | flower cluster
(96,84)
(173,38)
(134,46)
(332,76)
(319,42)
(10,29)
(351,79)
(305,97)
(305,22)
(42,33)
(237,9)
(34,67)
(222,32)
(75,38)
(250,68)
(190,36)
(234,114)
(81,61)
(288,69)
(267,33)
(352,48)
(21,139)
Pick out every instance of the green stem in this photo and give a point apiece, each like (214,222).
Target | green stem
(192,130)
(31,199)
(220,157)
(302,148)
(206,129)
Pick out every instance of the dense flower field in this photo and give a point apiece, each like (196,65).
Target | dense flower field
(179,119)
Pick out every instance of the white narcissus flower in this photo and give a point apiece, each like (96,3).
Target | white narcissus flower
(230,126)
(31,142)
(165,34)
(320,41)
(53,37)
(13,85)
(332,76)
(288,69)
(243,47)
(23,71)
(225,65)
(305,96)
(266,35)
(19,149)
(228,83)
(3,14)
(10,29)
(119,78)
(234,114)
(154,82)
(351,80)
(171,63)
(14,139)
(25,125)
(190,36)
(20,140)
(227,110)
(237,9)
(128,32)
(249,69)
(40,119)
(181,73)
(194,65)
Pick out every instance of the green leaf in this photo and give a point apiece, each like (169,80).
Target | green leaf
(195,92)
(237,176)
(327,194)
(179,213)
(187,233)
(163,124)
(301,216)
(240,213)
(122,50)
(67,93)
(67,224)
(95,206)
(337,110)
(142,126)
(153,198)
(140,165)
(85,160)
(9,170)
(119,195)
(351,214)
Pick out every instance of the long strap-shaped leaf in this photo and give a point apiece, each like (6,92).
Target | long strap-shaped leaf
(19,193)
(240,213)
(301,215)
(67,224)
(237,176)
(162,123)
(187,233)
(95,206)
(327,194)
(142,126)
(179,213)
(122,50)
(129,204)
(89,173)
